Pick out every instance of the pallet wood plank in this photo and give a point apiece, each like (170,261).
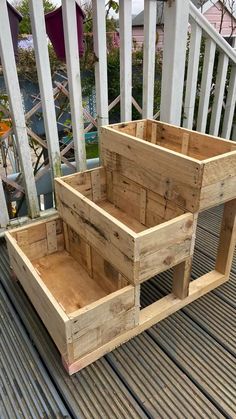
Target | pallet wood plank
(48,308)
(181,278)
(51,236)
(227,239)
(151,315)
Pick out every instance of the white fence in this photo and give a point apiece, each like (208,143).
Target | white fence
(178,94)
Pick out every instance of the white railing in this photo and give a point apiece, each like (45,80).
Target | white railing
(174,87)
(201,28)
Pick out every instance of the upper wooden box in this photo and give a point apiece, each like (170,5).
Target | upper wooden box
(196,171)
(131,227)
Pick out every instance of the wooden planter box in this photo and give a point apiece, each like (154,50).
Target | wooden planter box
(82,300)
(195,171)
(127,224)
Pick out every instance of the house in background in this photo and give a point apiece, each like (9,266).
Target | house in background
(218,12)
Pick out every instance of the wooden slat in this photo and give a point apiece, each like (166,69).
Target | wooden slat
(230,105)
(4,217)
(209,57)
(100,51)
(149,49)
(185,143)
(102,320)
(48,308)
(74,79)
(143,205)
(192,75)
(45,84)
(175,39)
(219,94)
(227,239)
(153,314)
(51,236)
(17,112)
(125,31)
(181,278)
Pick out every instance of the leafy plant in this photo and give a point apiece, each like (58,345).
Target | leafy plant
(23,8)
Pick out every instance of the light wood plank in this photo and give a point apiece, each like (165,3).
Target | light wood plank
(227,239)
(151,315)
(50,311)
(51,236)
(181,278)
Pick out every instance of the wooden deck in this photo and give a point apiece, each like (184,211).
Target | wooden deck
(184,367)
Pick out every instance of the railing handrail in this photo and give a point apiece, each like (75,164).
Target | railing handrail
(210,31)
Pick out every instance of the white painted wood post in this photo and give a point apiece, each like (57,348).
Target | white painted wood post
(74,80)
(149,53)
(230,105)
(175,40)
(45,84)
(219,93)
(192,75)
(125,25)
(100,51)
(234,125)
(4,217)
(207,72)
(17,112)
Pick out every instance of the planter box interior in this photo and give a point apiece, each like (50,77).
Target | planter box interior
(133,227)
(82,300)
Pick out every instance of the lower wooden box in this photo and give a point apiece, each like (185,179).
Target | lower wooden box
(84,302)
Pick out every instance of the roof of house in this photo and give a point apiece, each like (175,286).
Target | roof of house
(139,19)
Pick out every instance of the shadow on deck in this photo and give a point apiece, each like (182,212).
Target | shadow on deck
(184,367)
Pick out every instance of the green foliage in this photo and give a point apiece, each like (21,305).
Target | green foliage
(23,9)
(26,65)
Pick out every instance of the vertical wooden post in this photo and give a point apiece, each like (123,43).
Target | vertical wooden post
(4,218)
(125,24)
(74,79)
(149,53)
(227,239)
(175,39)
(17,112)
(45,84)
(100,51)
(181,278)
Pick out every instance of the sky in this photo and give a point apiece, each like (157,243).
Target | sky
(137,5)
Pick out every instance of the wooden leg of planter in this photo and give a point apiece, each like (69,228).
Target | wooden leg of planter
(227,239)
(181,278)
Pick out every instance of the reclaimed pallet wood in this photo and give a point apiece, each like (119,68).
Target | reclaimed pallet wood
(130,225)
(194,170)
(117,226)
